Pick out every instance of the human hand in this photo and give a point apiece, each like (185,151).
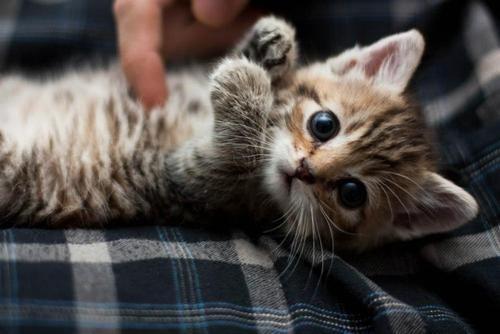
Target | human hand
(152,30)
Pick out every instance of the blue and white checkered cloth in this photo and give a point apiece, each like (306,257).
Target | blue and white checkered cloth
(176,279)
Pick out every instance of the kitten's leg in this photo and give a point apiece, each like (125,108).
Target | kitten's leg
(271,44)
(215,172)
(242,97)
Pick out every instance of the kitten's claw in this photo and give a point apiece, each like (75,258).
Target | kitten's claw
(271,44)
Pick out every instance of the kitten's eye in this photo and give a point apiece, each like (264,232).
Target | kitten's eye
(324,125)
(352,193)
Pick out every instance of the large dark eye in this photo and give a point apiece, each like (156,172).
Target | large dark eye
(352,193)
(324,125)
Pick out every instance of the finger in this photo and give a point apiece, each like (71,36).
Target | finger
(217,13)
(146,75)
(139,42)
(196,39)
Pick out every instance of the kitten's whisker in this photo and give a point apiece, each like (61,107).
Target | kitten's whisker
(321,252)
(293,224)
(404,177)
(260,150)
(248,138)
(291,209)
(298,249)
(294,248)
(325,214)
(247,145)
(252,121)
(313,230)
(332,240)
(292,252)
(293,214)
(250,130)
(398,198)
(424,206)
(402,189)
(302,240)
(387,199)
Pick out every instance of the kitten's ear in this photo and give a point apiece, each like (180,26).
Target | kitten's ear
(390,62)
(439,206)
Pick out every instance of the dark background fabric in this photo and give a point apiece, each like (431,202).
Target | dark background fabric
(176,279)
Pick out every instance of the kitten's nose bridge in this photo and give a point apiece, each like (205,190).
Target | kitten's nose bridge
(304,172)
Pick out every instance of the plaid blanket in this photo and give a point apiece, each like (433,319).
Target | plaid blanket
(176,279)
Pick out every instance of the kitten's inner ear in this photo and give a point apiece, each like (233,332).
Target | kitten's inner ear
(389,63)
(439,206)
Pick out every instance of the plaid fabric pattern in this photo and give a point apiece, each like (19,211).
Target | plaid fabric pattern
(36,35)
(174,279)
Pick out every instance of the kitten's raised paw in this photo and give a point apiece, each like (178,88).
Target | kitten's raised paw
(271,44)
(242,98)
(240,87)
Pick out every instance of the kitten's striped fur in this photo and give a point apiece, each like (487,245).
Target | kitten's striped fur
(79,151)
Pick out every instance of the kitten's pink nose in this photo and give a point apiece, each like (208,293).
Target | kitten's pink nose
(304,172)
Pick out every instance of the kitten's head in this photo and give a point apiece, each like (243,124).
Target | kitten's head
(351,153)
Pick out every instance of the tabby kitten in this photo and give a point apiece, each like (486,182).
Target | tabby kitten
(333,146)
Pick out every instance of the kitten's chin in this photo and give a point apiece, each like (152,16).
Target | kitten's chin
(282,190)
(291,191)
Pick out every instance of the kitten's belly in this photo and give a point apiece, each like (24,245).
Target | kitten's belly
(86,108)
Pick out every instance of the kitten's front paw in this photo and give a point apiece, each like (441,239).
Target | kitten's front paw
(242,99)
(271,43)
(240,89)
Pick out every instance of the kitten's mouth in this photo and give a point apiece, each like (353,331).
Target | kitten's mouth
(288,178)
(300,174)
